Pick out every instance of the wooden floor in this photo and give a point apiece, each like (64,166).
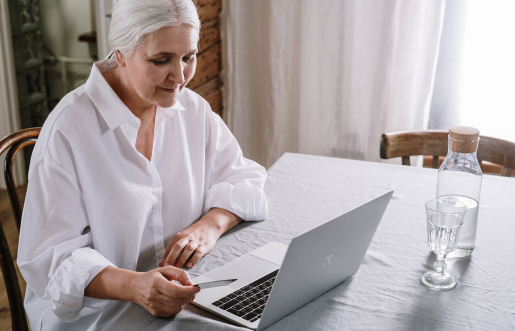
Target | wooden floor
(9,226)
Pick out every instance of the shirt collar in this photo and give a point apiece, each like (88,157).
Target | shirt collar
(109,105)
(168,112)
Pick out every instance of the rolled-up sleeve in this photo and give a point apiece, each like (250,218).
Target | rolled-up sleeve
(57,256)
(236,184)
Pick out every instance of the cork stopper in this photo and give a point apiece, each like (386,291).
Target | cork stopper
(464,139)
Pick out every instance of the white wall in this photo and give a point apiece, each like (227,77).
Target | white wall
(103,8)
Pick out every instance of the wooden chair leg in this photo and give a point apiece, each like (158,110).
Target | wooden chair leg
(506,171)
(435,161)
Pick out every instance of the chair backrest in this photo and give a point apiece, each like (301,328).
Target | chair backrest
(434,142)
(13,143)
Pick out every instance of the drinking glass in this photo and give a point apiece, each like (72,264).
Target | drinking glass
(444,219)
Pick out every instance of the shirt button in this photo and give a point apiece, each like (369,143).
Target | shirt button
(160,255)
(156,207)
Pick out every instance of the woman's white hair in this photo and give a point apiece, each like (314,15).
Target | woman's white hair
(132,20)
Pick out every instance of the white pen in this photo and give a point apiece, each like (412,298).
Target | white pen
(215,283)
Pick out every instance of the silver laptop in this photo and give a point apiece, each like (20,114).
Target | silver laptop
(275,280)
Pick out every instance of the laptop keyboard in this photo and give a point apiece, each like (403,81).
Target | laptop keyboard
(249,301)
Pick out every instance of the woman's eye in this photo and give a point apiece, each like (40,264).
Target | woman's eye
(188,58)
(160,63)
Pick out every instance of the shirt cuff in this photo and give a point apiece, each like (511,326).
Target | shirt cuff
(245,200)
(65,290)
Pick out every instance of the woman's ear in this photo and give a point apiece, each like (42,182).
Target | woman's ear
(120,58)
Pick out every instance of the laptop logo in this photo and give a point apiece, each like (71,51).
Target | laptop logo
(329,259)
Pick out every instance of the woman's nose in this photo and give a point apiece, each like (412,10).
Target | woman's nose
(176,73)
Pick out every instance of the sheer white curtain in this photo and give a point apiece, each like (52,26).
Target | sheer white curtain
(475,77)
(327,77)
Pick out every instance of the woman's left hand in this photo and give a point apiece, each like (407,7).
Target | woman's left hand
(198,240)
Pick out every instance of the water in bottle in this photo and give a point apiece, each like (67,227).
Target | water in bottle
(459,178)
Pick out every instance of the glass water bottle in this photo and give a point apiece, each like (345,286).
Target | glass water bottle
(459,178)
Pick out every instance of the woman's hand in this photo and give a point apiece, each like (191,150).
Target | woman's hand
(155,291)
(197,240)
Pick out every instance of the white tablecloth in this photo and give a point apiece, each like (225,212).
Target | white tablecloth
(386,293)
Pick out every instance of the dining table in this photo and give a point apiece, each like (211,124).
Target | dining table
(304,191)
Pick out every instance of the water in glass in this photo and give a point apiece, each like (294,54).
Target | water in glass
(444,218)
(442,239)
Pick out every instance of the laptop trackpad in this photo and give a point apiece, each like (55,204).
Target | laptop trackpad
(246,269)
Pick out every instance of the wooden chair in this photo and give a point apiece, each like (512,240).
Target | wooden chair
(434,142)
(14,143)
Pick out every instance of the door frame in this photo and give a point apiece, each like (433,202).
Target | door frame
(9,116)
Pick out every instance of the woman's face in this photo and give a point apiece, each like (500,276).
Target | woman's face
(158,70)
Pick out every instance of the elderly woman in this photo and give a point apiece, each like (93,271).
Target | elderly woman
(132,178)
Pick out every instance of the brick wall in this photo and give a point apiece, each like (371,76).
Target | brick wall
(206,81)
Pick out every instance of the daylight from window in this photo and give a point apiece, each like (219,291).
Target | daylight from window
(488,89)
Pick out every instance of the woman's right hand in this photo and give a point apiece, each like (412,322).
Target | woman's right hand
(155,291)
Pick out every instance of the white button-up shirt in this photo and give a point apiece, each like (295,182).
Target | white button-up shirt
(94,201)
